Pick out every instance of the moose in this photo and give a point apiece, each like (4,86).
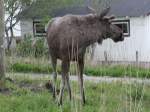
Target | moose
(69,36)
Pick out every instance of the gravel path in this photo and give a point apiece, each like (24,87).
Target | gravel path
(86,78)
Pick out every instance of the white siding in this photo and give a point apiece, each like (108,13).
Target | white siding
(26,27)
(139,40)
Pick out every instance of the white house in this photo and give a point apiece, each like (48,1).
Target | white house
(133,16)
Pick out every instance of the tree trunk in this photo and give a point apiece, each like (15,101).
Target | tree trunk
(2,70)
(7,37)
(11,37)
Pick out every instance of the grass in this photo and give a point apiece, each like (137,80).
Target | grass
(101,97)
(42,65)
(30,68)
(117,71)
(113,71)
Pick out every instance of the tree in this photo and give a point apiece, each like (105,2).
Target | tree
(13,8)
(2,71)
(38,8)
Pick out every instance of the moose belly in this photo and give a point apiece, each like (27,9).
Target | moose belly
(68,54)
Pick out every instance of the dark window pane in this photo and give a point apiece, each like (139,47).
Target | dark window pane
(39,29)
(124,26)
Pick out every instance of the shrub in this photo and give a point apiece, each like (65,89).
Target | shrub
(26,48)
(40,49)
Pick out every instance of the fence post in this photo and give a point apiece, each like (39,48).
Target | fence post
(137,57)
(106,57)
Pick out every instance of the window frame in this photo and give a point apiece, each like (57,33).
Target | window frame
(35,33)
(127,22)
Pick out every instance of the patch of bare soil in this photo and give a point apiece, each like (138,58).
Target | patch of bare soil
(31,86)
(34,87)
(5,91)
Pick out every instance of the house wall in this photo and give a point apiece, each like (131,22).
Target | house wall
(139,40)
(26,27)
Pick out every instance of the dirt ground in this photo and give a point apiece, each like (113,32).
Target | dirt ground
(25,84)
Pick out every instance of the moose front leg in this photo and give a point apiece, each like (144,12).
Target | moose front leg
(80,78)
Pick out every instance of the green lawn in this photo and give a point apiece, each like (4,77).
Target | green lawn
(26,96)
(42,65)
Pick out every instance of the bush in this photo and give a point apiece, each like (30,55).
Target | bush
(26,48)
(40,49)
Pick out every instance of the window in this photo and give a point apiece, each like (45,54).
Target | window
(124,25)
(38,28)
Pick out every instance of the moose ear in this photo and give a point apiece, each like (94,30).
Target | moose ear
(111,17)
(91,10)
(104,12)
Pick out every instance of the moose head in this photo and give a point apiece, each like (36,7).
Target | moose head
(106,27)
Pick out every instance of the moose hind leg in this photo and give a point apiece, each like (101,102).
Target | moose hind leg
(80,78)
(54,64)
(61,90)
(65,69)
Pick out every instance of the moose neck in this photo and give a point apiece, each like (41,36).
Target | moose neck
(92,32)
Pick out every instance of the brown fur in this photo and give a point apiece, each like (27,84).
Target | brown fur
(69,36)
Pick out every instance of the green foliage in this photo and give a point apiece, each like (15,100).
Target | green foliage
(26,47)
(17,67)
(45,20)
(39,48)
